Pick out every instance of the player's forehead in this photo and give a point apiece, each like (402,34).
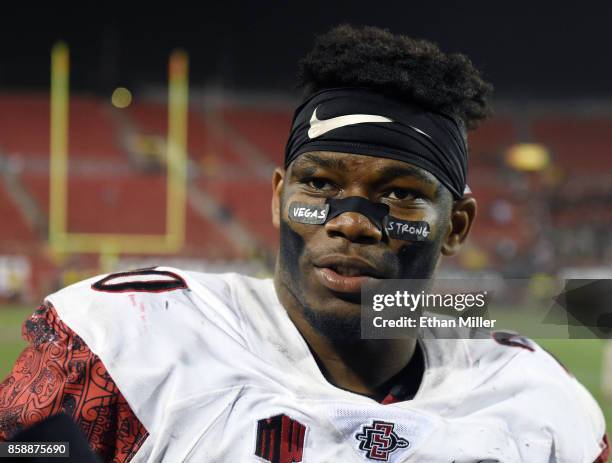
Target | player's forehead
(368,168)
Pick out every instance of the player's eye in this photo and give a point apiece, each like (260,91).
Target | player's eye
(404,194)
(319,184)
(400,193)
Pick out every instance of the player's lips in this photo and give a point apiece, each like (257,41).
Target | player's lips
(344,274)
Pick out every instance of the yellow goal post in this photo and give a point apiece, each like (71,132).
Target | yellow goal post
(61,240)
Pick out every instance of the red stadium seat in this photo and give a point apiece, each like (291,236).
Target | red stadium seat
(15,231)
(249,202)
(579,145)
(267,130)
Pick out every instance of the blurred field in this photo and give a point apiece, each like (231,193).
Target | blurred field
(11,344)
(582,356)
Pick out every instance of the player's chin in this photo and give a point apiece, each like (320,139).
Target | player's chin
(339,307)
(351,298)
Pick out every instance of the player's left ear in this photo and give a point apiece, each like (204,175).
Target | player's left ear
(277,189)
(461,220)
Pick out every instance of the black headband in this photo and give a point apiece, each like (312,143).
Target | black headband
(361,121)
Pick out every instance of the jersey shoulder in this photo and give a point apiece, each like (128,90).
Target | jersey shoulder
(126,303)
(542,388)
(152,285)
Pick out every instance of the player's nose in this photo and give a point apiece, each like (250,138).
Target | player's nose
(354,227)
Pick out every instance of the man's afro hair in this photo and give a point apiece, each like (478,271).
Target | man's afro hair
(405,68)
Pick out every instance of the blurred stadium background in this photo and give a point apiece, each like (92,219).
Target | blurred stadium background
(541,169)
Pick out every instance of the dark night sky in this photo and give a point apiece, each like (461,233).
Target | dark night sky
(535,50)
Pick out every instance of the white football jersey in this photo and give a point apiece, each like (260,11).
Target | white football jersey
(216,371)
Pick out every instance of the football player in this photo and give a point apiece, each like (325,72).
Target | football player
(168,365)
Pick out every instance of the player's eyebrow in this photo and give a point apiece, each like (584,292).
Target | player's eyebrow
(386,174)
(320,161)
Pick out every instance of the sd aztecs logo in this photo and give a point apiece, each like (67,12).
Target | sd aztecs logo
(379,440)
(280,439)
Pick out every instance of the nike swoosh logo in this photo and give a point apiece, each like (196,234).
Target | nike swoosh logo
(320,127)
(419,130)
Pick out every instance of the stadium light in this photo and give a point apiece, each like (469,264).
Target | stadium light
(121,98)
(528,157)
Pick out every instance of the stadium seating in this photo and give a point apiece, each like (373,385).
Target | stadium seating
(267,130)
(92,132)
(15,232)
(24,127)
(209,149)
(24,124)
(579,145)
(492,137)
(249,202)
(133,205)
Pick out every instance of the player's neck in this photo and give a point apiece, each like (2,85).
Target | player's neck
(364,366)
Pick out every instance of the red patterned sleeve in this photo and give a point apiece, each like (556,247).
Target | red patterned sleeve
(58,373)
(605,452)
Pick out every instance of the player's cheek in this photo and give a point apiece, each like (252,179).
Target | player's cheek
(430,214)
(297,241)
(311,236)
(305,231)
(308,236)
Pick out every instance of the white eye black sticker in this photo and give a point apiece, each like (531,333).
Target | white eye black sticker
(308,213)
(406,230)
